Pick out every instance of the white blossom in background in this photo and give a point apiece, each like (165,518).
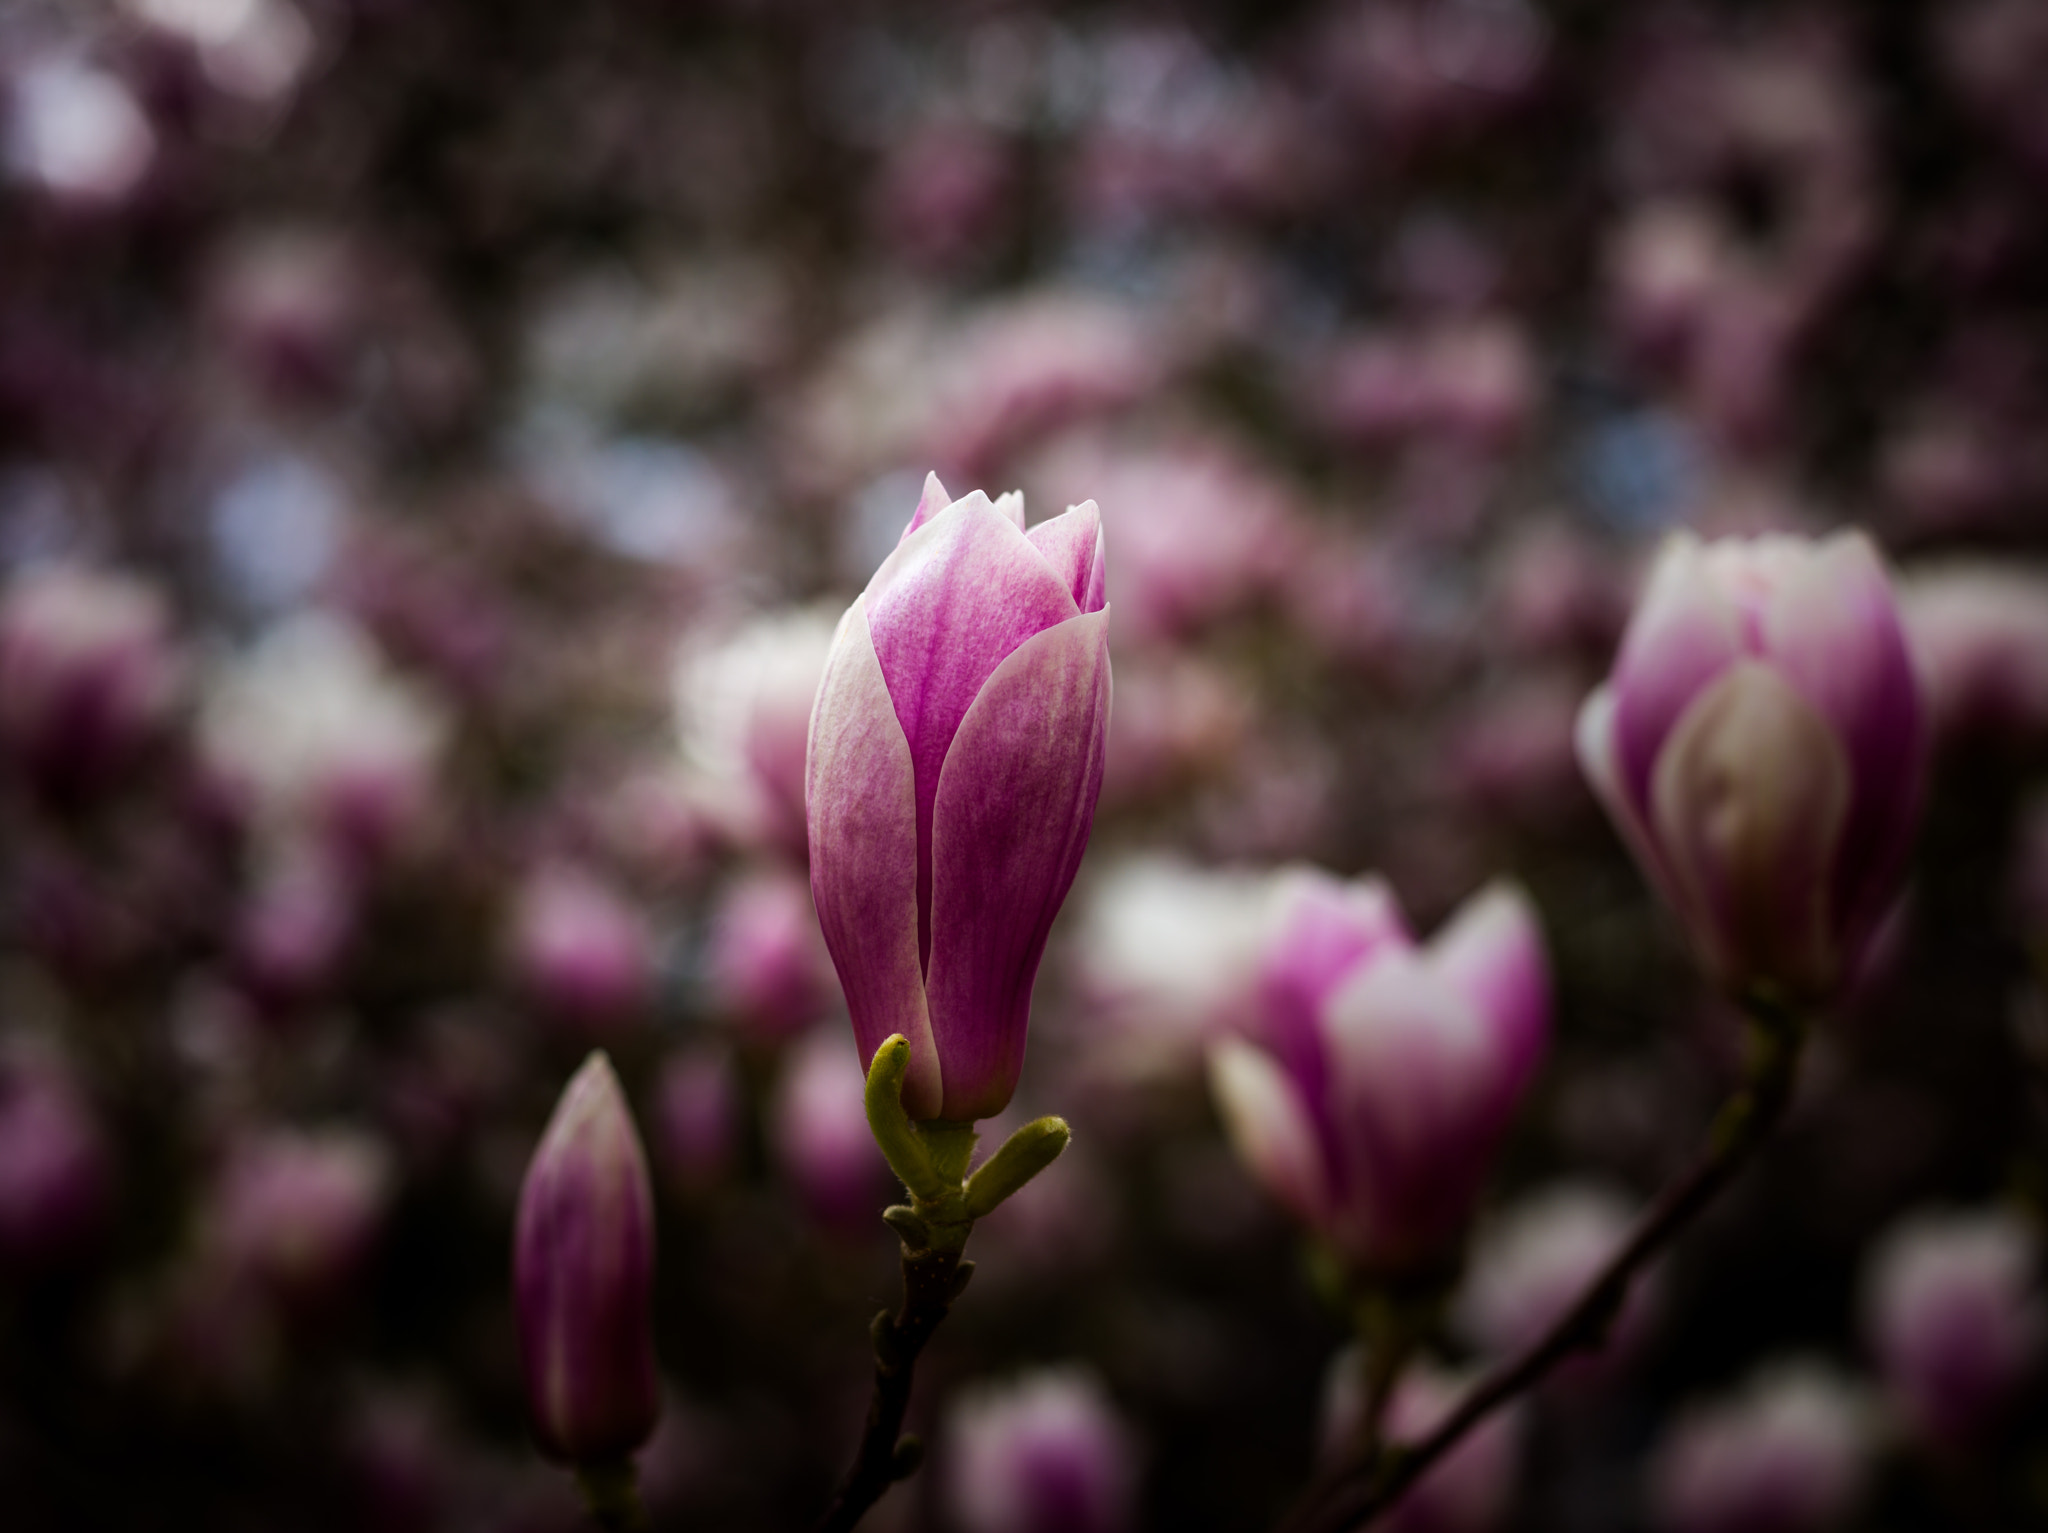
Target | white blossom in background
(314,727)
(77,131)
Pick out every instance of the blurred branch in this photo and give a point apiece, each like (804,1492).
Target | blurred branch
(1364,1490)
(932,1280)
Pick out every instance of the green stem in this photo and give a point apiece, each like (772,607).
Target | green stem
(611,1493)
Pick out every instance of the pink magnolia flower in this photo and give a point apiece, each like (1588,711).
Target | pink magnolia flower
(1761,745)
(583,1276)
(1951,1311)
(956,755)
(1387,1072)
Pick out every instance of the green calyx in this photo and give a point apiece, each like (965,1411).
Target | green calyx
(931,1159)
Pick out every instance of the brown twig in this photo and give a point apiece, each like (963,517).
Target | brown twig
(1363,1491)
(932,1280)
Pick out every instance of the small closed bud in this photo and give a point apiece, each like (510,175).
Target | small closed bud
(583,1277)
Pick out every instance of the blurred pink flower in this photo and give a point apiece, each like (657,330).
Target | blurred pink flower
(296,1211)
(56,1174)
(579,949)
(1952,1312)
(89,675)
(1385,1074)
(698,1118)
(767,962)
(1789,1453)
(818,1126)
(1979,633)
(1046,1453)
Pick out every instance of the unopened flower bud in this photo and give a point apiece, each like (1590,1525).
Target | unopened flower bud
(956,753)
(1761,746)
(1046,1454)
(583,1277)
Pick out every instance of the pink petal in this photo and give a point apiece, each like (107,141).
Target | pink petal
(1684,634)
(1419,1096)
(1072,545)
(1594,740)
(930,504)
(1326,927)
(946,608)
(1270,1126)
(863,824)
(1015,804)
(1492,954)
(1750,799)
(1833,628)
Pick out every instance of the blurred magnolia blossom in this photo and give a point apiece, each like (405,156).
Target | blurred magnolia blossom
(89,673)
(295,926)
(1515,749)
(1026,365)
(56,1171)
(1549,589)
(1471,1489)
(1177,716)
(1045,1453)
(697,1118)
(818,1128)
(743,711)
(76,131)
(766,960)
(316,732)
(252,48)
(1994,51)
(944,192)
(579,948)
(1952,1310)
(289,302)
(1473,381)
(1790,1452)
(1199,529)
(295,1211)
(1385,1072)
(1422,72)
(1168,954)
(1979,633)
(1532,1261)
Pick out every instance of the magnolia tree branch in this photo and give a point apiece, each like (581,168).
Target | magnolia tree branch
(1364,1490)
(931,1281)
(931,1160)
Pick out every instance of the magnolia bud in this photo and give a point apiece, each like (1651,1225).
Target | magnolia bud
(583,1277)
(956,754)
(1762,748)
